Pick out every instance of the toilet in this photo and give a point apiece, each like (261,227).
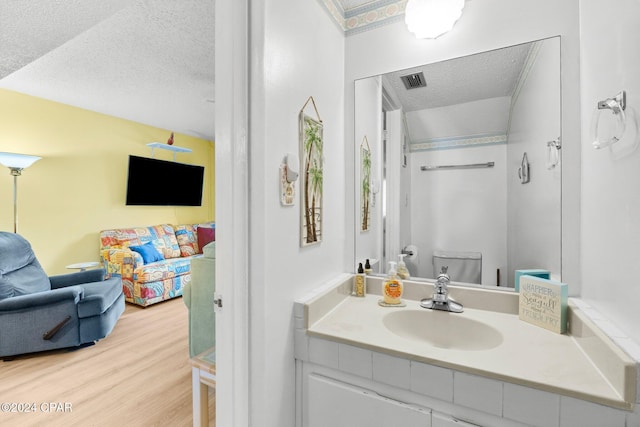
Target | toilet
(462,266)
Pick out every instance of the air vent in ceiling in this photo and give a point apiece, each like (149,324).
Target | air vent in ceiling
(414,81)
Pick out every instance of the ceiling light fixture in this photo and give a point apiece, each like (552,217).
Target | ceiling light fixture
(429,19)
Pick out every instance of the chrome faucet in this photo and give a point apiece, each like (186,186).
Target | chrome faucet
(440,299)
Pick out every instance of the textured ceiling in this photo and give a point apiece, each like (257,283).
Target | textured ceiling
(486,75)
(150,61)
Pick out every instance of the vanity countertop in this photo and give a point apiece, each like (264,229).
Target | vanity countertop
(528,355)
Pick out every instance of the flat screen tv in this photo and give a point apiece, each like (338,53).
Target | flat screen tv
(153,182)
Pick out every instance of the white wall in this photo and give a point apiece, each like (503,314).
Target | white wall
(486,25)
(291,59)
(406,188)
(463,210)
(294,58)
(422,204)
(611,199)
(485,116)
(396,192)
(534,208)
(368,122)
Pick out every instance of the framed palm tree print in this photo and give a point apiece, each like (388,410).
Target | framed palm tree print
(365,185)
(312,176)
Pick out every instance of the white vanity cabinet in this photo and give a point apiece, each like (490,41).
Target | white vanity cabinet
(352,370)
(337,404)
(331,398)
(337,386)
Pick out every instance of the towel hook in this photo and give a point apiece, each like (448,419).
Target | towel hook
(553,153)
(523,170)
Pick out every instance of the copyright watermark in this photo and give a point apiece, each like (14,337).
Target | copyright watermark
(27,407)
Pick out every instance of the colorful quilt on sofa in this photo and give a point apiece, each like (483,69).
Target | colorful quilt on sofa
(123,253)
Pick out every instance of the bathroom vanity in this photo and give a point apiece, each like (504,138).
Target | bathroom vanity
(360,364)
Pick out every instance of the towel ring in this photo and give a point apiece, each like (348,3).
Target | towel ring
(617,106)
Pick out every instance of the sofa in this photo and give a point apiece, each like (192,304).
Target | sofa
(154,262)
(41,313)
(198,297)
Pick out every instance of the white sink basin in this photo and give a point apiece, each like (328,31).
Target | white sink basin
(443,329)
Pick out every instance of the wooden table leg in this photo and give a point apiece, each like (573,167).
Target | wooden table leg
(200,400)
(203,377)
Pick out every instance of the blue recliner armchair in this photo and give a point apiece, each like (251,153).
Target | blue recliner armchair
(39,313)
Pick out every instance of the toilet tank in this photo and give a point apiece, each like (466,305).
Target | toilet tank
(462,266)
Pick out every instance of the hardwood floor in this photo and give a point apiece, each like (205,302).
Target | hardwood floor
(140,375)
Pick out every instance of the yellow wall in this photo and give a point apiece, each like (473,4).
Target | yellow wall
(78,187)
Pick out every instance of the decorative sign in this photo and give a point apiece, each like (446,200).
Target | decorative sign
(287,189)
(543,274)
(543,303)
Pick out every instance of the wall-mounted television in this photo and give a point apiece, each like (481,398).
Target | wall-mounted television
(153,182)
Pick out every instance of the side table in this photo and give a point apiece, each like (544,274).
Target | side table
(203,375)
(82,266)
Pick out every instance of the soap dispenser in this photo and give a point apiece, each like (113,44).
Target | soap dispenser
(403,272)
(367,267)
(392,287)
(360,286)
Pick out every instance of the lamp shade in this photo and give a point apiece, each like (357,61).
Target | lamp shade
(428,19)
(17,161)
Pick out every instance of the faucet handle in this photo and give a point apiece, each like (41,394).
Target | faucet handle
(443,277)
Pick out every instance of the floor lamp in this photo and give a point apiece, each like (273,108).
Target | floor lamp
(16,162)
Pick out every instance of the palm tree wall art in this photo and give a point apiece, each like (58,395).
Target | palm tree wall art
(312,169)
(365,185)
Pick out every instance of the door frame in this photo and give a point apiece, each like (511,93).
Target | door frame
(232,211)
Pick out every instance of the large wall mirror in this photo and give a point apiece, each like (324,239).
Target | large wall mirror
(465,165)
